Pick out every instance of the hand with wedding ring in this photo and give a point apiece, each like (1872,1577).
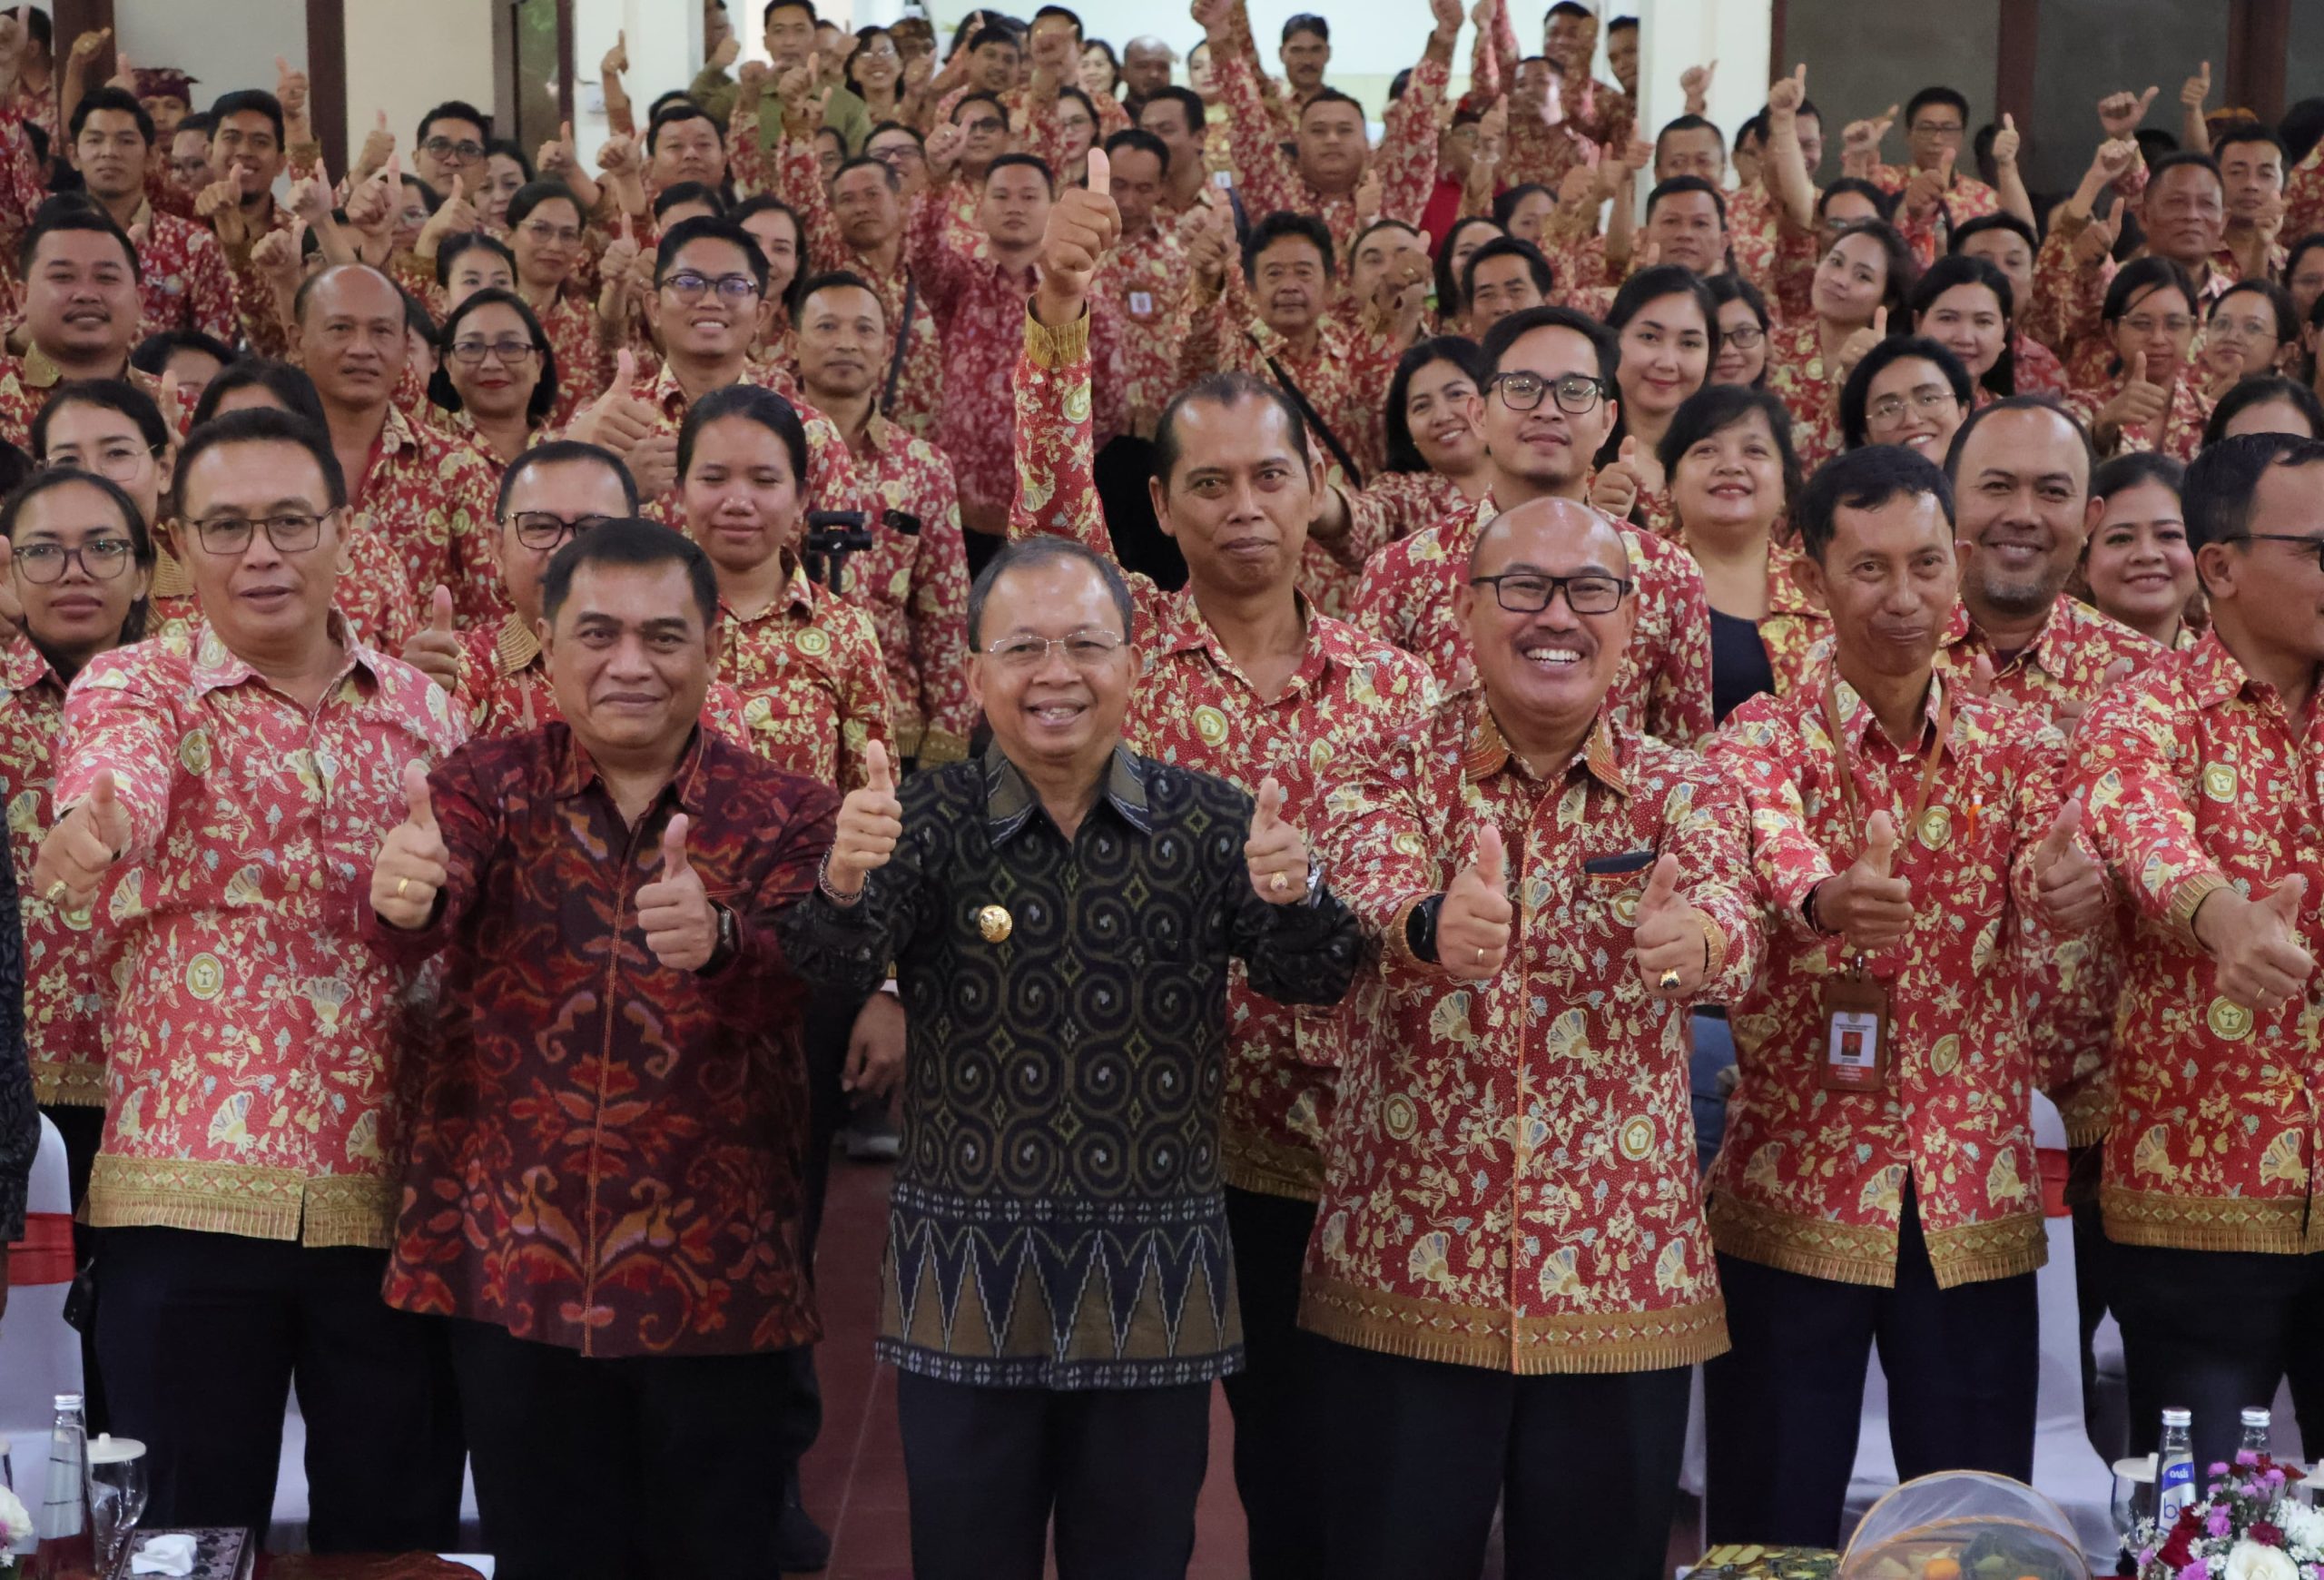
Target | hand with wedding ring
(1472,925)
(413,865)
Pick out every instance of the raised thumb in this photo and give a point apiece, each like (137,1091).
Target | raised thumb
(1270,801)
(2285,897)
(1629,450)
(1492,861)
(2138,366)
(1981,677)
(1880,323)
(460,188)
(439,614)
(625,374)
(2056,843)
(101,793)
(875,768)
(417,796)
(1662,887)
(1101,172)
(1880,843)
(674,847)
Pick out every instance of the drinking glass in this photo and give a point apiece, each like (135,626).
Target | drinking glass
(116,1500)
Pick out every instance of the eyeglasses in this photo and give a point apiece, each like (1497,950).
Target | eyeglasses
(1527,592)
(118,463)
(511,350)
(1083,649)
(2314,546)
(541,231)
(1938,128)
(2176,324)
(1747,337)
(102,559)
(1928,400)
(690,288)
(1576,392)
(290,532)
(444,148)
(901,153)
(548,529)
(987,123)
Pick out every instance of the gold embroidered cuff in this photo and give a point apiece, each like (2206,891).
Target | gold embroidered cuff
(2191,892)
(1056,348)
(937,746)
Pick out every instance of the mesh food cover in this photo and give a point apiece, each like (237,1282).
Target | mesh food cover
(1965,1524)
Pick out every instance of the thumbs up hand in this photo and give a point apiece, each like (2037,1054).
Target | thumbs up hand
(435,650)
(1473,925)
(870,820)
(2140,404)
(84,844)
(1275,853)
(1871,909)
(2263,965)
(681,924)
(1083,226)
(2072,888)
(413,865)
(1858,345)
(1616,489)
(1671,939)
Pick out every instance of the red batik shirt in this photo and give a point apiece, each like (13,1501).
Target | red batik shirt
(920,383)
(63,1001)
(1269,176)
(1966,199)
(505,688)
(584,367)
(182,278)
(831,483)
(1193,705)
(981,308)
(1512,1179)
(606,1152)
(1663,688)
(814,689)
(27,381)
(1345,377)
(1143,278)
(431,495)
(254,1044)
(915,587)
(1813,1181)
(1809,390)
(2194,777)
(2182,431)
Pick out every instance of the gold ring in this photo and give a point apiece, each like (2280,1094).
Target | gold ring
(1481,954)
(1668,980)
(1278,882)
(56,891)
(402,884)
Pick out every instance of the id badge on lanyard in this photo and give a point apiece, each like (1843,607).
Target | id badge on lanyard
(1856,1002)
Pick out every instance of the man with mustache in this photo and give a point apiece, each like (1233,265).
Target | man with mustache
(1927,901)
(1511,1278)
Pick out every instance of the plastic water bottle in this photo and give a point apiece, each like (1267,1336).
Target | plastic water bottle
(65,1549)
(2174,1474)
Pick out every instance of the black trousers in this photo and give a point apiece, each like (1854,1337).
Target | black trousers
(2214,1331)
(1417,1453)
(204,1334)
(83,1128)
(830,1024)
(1273,1397)
(1121,472)
(643,1469)
(1118,1469)
(1782,1408)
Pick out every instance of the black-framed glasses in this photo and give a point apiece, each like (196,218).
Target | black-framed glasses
(291,532)
(1083,649)
(548,529)
(689,287)
(443,148)
(1745,337)
(1529,592)
(1576,392)
(508,348)
(2314,546)
(100,558)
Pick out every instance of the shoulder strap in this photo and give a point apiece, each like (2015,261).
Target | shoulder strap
(903,341)
(1313,417)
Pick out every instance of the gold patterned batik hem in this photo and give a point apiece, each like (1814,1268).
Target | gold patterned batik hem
(1865,1253)
(75,1085)
(335,1210)
(2278,1225)
(1266,1168)
(1572,1343)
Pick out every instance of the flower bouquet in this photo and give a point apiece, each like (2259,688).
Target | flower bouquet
(2252,1527)
(15,1526)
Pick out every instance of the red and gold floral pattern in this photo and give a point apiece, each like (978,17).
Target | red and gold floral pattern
(1511,1178)
(915,587)
(814,689)
(63,1009)
(1270,178)
(254,1044)
(430,494)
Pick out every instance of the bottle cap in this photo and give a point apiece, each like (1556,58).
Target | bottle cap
(2255,1416)
(2177,1418)
(68,1401)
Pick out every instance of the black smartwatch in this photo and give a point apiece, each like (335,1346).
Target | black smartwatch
(730,941)
(1420,929)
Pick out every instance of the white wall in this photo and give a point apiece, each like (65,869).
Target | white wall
(665,39)
(410,55)
(1674,35)
(225,44)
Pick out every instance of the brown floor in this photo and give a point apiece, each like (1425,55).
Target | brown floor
(854,1479)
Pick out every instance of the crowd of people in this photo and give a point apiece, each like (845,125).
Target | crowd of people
(1443,790)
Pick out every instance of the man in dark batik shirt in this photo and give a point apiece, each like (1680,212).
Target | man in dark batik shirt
(1058,1288)
(603,1200)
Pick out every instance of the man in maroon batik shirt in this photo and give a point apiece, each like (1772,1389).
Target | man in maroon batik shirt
(604,1198)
